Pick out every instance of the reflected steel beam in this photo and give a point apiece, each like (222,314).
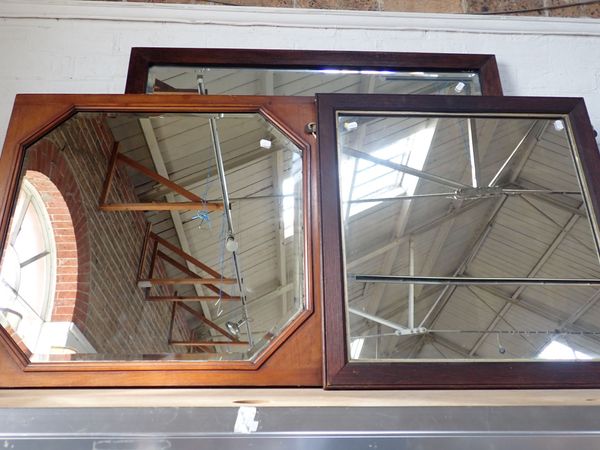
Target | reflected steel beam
(470,194)
(473,152)
(227,209)
(400,330)
(513,154)
(403,168)
(413,232)
(543,312)
(463,281)
(538,266)
(525,147)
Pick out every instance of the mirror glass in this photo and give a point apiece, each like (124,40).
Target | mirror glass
(286,82)
(155,236)
(466,238)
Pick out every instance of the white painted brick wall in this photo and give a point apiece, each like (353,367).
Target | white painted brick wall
(83,47)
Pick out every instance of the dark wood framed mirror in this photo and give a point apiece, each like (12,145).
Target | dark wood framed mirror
(460,242)
(306,72)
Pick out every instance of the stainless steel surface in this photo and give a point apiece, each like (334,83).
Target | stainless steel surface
(303,428)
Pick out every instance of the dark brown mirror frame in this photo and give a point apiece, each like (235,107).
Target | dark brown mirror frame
(342,374)
(293,359)
(142,58)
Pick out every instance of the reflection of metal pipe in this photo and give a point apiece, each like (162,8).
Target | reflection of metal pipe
(464,194)
(411,286)
(229,219)
(227,209)
(12,311)
(403,168)
(400,330)
(511,157)
(393,279)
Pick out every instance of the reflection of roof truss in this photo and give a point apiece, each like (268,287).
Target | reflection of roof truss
(557,198)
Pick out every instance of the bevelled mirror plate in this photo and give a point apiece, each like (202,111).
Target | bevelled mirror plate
(466,237)
(146,236)
(307,82)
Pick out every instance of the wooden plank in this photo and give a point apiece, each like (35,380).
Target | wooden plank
(159,179)
(215,398)
(144,251)
(210,323)
(186,256)
(162,206)
(173,281)
(191,298)
(110,173)
(206,343)
(188,272)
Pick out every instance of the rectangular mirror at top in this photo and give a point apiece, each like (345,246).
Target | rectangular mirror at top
(155,236)
(466,238)
(165,79)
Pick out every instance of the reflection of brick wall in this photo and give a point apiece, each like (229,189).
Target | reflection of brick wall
(116,319)
(45,163)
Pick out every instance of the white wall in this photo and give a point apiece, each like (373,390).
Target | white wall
(79,46)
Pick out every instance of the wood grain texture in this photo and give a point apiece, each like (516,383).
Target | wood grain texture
(274,398)
(142,58)
(294,357)
(339,372)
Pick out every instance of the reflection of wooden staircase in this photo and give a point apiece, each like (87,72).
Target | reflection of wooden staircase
(195,202)
(146,278)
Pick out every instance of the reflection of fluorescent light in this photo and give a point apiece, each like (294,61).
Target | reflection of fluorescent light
(423,74)
(356,347)
(349,126)
(356,72)
(265,143)
(460,86)
(559,125)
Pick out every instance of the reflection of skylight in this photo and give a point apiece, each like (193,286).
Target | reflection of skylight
(361,178)
(356,347)
(557,350)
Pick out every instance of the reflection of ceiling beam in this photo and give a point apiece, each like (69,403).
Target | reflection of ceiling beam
(451,214)
(444,297)
(553,200)
(404,168)
(532,273)
(543,312)
(267,82)
(574,317)
(523,150)
(277,171)
(377,292)
(478,148)
(159,164)
(191,182)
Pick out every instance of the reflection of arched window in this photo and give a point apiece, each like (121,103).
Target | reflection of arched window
(30,255)
(39,277)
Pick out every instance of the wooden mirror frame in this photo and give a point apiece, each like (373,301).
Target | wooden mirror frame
(294,358)
(142,58)
(342,374)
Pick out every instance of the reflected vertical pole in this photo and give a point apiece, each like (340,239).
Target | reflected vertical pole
(214,132)
(411,286)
